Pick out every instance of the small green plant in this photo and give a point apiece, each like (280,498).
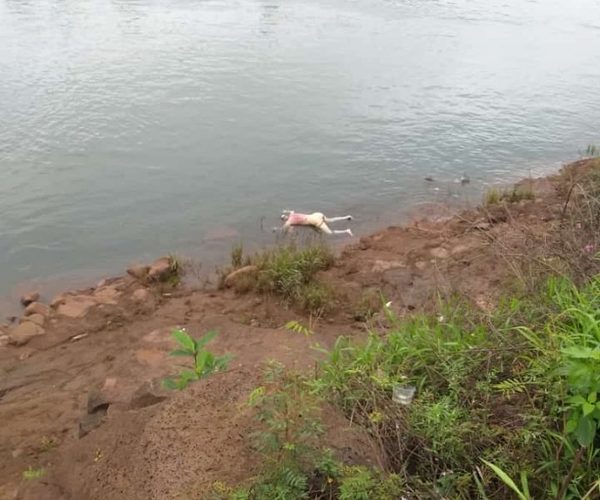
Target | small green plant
(297,327)
(592,150)
(31,473)
(205,362)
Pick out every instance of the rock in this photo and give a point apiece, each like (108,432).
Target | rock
(235,276)
(254,323)
(139,272)
(76,306)
(439,253)
(24,332)
(38,319)
(160,270)
(37,308)
(58,300)
(141,295)
(3,340)
(89,422)
(28,298)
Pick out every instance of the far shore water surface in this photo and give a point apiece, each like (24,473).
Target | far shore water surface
(136,129)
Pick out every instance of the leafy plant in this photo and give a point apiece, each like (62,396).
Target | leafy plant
(205,362)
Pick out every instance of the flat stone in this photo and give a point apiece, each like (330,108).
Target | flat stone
(38,319)
(381,266)
(37,308)
(236,275)
(24,332)
(139,272)
(76,306)
(141,295)
(28,298)
(160,270)
(439,253)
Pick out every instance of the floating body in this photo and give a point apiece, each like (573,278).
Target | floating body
(316,221)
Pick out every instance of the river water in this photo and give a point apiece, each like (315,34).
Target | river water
(131,128)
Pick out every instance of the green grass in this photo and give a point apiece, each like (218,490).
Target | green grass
(506,406)
(495,196)
(289,272)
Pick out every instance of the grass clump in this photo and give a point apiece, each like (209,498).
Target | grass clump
(289,272)
(518,193)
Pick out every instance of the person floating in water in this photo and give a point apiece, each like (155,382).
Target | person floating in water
(316,221)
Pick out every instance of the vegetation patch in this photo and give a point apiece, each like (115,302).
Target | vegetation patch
(517,193)
(289,272)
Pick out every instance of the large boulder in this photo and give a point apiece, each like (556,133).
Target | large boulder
(23,333)
(28,298)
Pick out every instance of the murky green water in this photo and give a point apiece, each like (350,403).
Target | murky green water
(133,128)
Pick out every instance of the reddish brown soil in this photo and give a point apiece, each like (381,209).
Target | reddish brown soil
(92,413)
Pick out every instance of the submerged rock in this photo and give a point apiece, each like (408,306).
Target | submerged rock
(24,332)
(28,298)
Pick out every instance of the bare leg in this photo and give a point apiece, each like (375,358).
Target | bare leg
(338,219)
(324,228)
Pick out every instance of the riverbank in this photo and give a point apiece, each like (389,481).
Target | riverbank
(81,399)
